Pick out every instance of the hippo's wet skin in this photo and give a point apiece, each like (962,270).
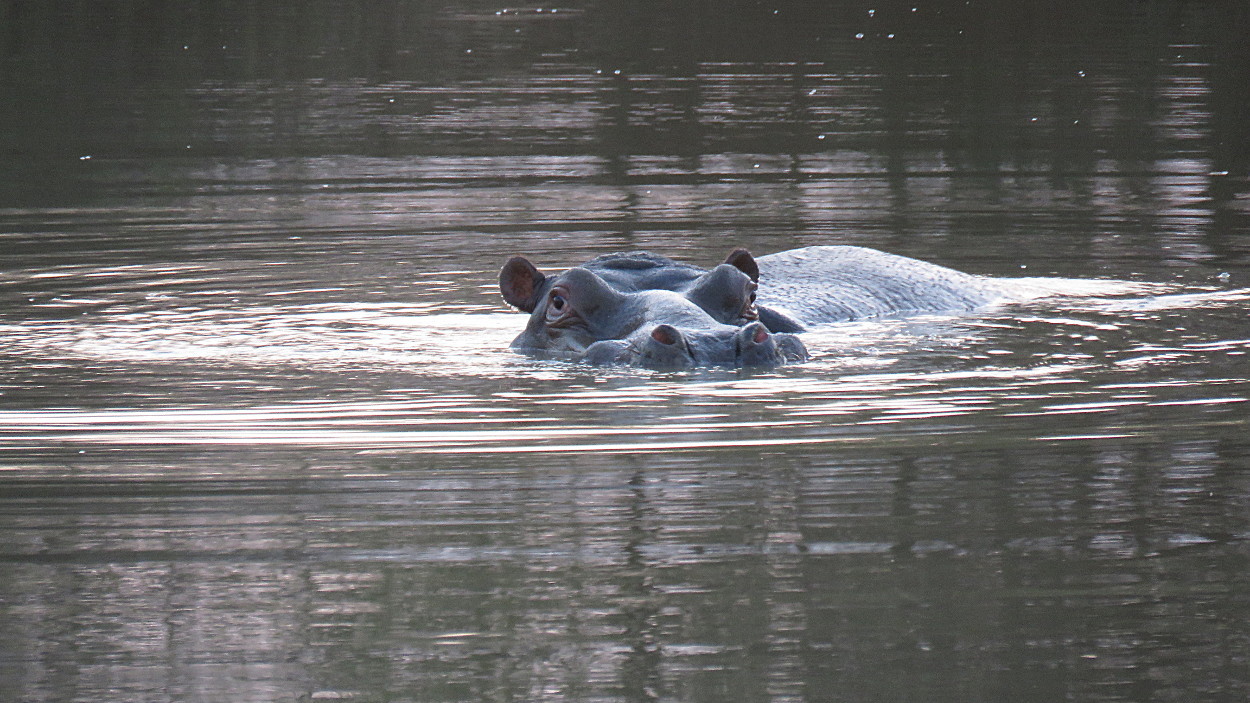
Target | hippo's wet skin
(646,310)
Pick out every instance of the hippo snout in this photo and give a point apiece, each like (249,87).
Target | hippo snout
(668,347)
(665,348)
(792,349)
(756,346)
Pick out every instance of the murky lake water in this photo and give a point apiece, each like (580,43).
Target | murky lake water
(261,437)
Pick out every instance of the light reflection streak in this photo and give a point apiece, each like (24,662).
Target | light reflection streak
(323,336)
(446,443)
(223,422)
(474,428)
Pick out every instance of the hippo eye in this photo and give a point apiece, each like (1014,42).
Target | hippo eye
(560,310)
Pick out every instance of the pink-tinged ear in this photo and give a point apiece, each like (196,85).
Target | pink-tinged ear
(742,260)
(520,282)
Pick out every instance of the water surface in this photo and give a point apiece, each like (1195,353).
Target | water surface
(261,437)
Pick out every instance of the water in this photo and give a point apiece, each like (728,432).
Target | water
(261,437)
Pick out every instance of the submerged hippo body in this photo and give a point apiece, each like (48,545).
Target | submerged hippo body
(646,310)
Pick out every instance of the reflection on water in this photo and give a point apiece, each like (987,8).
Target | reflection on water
(261,437)
(1052,491)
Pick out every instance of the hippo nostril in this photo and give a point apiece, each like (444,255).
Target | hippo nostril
(666,334)
(753,333)
(757,347)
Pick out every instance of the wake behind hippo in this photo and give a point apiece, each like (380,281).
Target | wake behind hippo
(641,309)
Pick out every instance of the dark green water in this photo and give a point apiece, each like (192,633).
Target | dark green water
(261,438)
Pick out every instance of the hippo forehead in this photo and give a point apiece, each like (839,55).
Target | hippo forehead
(639,286)
(642,270)
(668,307)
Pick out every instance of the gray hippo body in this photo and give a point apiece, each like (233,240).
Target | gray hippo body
(823,284)
(646,310)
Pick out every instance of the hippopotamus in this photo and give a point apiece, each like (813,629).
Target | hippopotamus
(642,309)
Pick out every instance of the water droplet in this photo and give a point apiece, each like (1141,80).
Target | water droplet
(859,35)
(872,13)
(85,158)
(820,136)
(617,72)
(889,36)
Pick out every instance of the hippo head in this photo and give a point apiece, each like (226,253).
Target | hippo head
(607,312)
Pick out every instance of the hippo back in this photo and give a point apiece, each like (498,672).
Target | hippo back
(821,284)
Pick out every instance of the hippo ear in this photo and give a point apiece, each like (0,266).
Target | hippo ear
(520,282)
(742,260)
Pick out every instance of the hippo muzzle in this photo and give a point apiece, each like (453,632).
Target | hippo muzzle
(667,347)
